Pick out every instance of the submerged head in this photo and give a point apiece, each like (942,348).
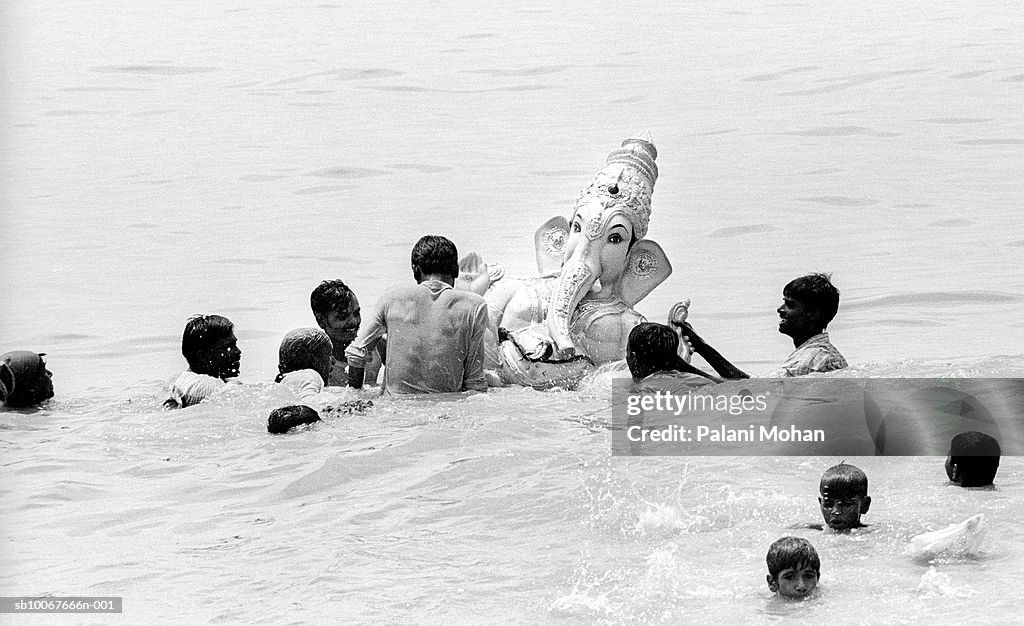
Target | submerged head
(210,347)
(793,567)
(336,310)
(652,348)
(305,349)
(973,459)
(809,303)
(435,256)
(24,379)
(844,496)
(287,417)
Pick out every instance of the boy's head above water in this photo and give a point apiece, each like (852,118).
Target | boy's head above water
(844,496)
(973,459)
(793,567)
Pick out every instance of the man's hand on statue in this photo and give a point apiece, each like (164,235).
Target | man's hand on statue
(692,339)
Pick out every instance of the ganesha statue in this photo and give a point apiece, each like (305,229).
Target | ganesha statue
(593,269)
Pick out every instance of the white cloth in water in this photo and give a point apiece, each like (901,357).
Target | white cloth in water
(191,388)
(305,384)
(971,531)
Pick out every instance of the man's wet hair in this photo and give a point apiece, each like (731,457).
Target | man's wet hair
(976,456)
(287,417)
(330,295)
(653,348)
(791,552)
(434,254)
(817,292)
(844,480)
(202,332)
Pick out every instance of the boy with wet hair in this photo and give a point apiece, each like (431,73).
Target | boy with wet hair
(211,350)
(304,362)
(973,459)
(793,567)
(653,348)
(435,333)
(809,303)
(24,379)
(843,497)
(337,312)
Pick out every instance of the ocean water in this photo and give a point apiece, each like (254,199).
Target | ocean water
(162,161)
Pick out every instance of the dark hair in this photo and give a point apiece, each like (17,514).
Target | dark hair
(791,552)
(434,254)
(817,292)
(330,295)
(287,417)
(843,480)
(202,332)
(976,456)
(652,348)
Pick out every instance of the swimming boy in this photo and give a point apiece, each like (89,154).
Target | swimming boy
(337,312)
(435,333)
(809,303)
(973,459)
(843,497)
(211,351)
(793,567)
(24,379)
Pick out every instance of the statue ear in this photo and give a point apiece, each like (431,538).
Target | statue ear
(646,268)
(549,244)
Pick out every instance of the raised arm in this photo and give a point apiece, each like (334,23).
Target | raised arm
(709,354)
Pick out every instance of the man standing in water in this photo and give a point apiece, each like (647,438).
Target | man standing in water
(809,303)
(435,333)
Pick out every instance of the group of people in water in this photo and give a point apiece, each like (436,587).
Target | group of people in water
(794,566)
(430,337)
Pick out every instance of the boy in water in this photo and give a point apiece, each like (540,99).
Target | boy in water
(653,349)
(211,350)
(337,312)
(973,459)
(843,497)
(809,303)
(793,567)
(24,379)
(435,333)
(304,362)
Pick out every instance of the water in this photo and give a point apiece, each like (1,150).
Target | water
(208,157)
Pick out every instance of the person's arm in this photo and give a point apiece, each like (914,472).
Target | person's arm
(357,352)
(709,354)
(473,376)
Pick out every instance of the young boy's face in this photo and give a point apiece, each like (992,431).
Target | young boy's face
(341,326)
(224,358)
(794,582)
(843,512)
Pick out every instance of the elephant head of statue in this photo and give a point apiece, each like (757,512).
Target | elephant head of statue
(600,253)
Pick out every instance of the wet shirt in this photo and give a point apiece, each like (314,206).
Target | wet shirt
(435,339)
(305,384)
(817,354)
(191,388)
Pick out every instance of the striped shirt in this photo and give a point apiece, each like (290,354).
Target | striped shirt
(816,354)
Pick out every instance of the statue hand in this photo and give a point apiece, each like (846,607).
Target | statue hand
(677,314)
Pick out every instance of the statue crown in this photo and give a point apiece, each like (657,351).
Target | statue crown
(626,182)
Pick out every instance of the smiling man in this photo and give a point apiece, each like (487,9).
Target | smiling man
(809,303)
(337,312)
